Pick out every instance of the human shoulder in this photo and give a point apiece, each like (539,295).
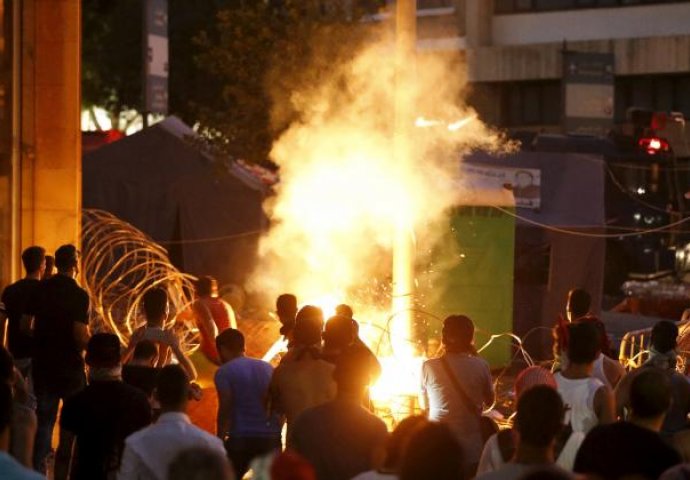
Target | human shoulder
(11,468)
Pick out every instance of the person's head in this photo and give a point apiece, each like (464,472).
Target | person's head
(539,416)
(230,344)
(172,389)
(578,303)
(584,343)
(6,366)
(338,333)
(200,463)
(50,267)
(103,351)
(433,452)
(67,260)
(34,260)
(308,326)
(289,465)
(310,313)
(664,336)
(399,439)
(650,394)
(523,178)
(5,415)
(531,377)
(145,352)
(458,334)
(352,371)
(206,286)
(156,306)
(286,307)
(344,310)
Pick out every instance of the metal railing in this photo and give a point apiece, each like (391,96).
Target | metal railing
(634,347)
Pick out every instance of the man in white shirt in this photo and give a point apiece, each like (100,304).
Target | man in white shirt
(148,453)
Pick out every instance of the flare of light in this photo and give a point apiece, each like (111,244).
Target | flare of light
(422,122)
(455,126)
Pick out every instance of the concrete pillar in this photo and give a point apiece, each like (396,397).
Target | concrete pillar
(50,97)
(478,18)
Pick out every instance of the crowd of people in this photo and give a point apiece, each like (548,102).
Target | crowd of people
(122,406)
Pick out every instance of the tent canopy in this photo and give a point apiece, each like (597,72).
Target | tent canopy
(206,211)
(548,260)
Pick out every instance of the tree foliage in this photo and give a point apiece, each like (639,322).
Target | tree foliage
(259,54)
(234,64)
(111,55)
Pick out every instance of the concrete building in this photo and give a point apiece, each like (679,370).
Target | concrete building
(40,151)
(514,52)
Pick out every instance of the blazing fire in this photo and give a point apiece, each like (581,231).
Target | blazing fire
(353,197)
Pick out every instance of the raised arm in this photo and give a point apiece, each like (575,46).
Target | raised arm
(182,359)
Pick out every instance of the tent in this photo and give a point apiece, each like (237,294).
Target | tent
(206,211)
(471,269)
(559,201)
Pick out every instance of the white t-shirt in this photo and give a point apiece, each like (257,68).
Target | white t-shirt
(578,397)
(492,460)
(447,406)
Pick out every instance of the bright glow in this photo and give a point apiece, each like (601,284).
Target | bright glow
(641,191)
(422,122)
(326,303)
(353,197)
(454,127)
(396,393)
(653,145)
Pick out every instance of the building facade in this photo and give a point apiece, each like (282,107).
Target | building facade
(40,152)
(514,53)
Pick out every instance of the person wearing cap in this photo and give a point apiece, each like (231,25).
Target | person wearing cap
(460,367)
(500,447)
(59,312)
(100,417)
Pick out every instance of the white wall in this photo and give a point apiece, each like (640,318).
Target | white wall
(592,24)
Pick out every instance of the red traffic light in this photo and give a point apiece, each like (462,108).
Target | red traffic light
(653,145)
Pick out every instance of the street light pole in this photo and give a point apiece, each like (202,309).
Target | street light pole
(403,247)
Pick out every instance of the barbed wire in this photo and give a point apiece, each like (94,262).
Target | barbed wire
(120,264)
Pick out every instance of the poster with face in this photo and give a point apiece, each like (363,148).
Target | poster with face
(524,182)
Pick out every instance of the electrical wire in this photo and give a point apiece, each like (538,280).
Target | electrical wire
(589,234)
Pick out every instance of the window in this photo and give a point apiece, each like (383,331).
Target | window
(664,93)
(518,6)
(530,103)
(426,4)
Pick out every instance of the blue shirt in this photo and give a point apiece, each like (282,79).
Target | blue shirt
(247,380)
(10,469)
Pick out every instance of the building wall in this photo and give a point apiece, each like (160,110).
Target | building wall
(518,64)
(45,198)
(640,21)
